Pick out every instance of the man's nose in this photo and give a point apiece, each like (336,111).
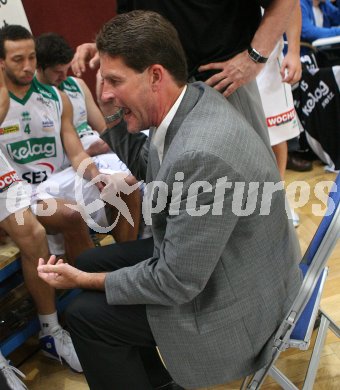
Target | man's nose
(29,66)
(107,93)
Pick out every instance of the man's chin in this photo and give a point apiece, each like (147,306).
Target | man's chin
(25,82)
(132,128)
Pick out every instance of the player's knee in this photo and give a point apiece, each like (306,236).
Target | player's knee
(38,232)
(73,218)
(31,233)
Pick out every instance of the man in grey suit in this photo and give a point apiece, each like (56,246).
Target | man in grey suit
(224,267)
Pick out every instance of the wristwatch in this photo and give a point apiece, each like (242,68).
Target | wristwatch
(256,56)
(112,118)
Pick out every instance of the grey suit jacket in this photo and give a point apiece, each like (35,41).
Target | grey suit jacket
(222,275)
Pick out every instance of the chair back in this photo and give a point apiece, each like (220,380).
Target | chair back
(318,252)
(333,203)
(295,329)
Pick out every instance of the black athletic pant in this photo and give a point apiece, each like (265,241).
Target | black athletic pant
(114,343)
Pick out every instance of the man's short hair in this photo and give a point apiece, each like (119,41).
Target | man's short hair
(144,38)
(52,49)
(12,32)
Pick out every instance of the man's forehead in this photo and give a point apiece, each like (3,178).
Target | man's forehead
(114,67)
(12,47)
(108,72)
(112,61)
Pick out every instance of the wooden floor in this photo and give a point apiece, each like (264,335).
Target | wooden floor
(44,374)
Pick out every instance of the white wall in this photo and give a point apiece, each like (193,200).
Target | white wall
(12,12)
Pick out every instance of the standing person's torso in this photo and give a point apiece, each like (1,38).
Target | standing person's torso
(210,31)
(30,136)
(76,95)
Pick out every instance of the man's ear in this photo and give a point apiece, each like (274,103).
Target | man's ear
(156,73)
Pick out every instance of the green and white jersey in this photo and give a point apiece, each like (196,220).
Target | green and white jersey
(73,90)
(30,136)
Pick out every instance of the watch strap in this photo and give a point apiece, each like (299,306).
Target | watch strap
(256,56)
(112,118)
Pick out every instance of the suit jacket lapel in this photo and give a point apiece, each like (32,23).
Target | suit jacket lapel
(188,102)
(153,160)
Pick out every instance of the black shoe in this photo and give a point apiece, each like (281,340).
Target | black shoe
(170,386)
(296,163)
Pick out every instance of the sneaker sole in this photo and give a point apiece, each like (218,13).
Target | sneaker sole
(61,359)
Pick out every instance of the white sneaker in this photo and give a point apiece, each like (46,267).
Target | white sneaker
(10,374)
(58,345)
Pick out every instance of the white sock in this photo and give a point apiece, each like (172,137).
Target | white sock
(48,322)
